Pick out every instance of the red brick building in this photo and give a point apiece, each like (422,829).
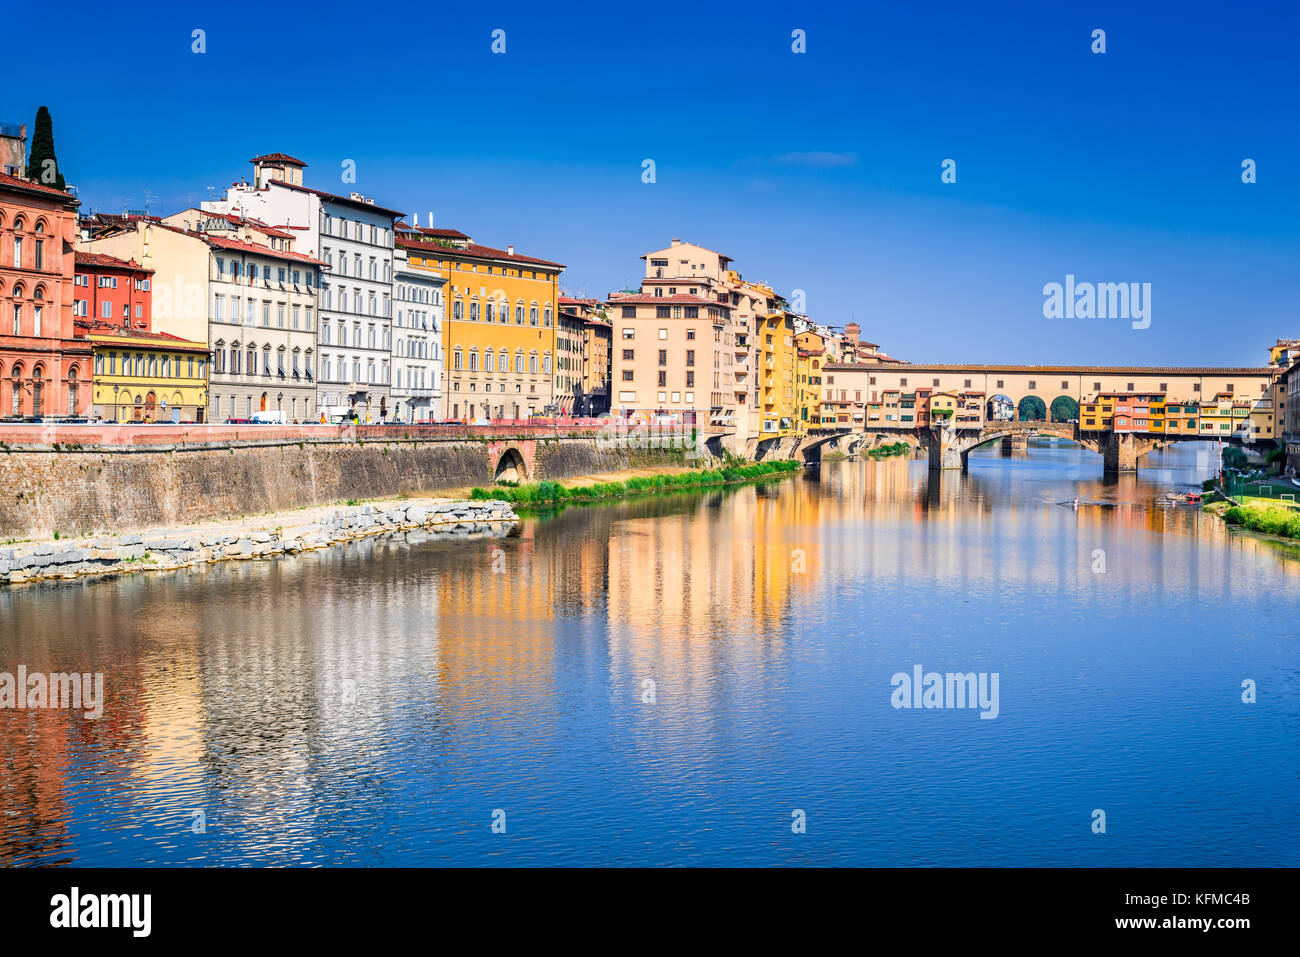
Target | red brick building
(113,291)
(45,370)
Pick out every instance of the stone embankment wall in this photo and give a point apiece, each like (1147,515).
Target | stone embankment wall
(84,490)
(262,538)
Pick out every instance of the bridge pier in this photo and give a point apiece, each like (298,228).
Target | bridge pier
(945,451)
(1120,452)
(1015,446)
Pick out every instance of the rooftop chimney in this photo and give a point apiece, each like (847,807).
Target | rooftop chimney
(676,241)
(511,249)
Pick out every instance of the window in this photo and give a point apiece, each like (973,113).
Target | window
(628,354)
(663,379)
(690,357)
(663,357)
(690,380)
(627,375)
(690,333)
(629,333)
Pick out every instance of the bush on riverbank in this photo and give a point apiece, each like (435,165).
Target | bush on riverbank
(551,493)
(1269,519)
(893,448)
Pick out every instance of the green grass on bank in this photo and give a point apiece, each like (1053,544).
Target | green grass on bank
(1269,519)
(552,493)
(893,448)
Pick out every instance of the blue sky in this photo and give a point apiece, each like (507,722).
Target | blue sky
(817,171)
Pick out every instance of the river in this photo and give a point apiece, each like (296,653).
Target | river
(694,679)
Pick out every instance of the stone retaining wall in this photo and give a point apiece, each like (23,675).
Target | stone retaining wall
(263,537)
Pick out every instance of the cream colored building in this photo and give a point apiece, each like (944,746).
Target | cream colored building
(239,286)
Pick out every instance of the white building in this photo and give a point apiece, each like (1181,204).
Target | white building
(354,238)
(241,287)
(417,340)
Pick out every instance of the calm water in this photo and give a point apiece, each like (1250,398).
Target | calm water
(375,704)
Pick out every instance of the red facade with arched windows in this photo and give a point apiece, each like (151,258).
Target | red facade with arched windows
(45,372)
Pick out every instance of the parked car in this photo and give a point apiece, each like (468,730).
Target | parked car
(239,421)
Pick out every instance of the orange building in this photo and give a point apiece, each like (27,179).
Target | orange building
(44,369)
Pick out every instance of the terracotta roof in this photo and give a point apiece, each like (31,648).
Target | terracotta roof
(15,182)
(571,301)
(905,367)
(431,231)
(639,299)
(472,251)
(107,262)
(98,327)
(336,198)
(277,158)
(241,220)
(241,246)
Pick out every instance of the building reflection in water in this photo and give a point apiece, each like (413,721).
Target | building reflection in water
(283,698)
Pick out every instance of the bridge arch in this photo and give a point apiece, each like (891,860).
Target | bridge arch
(1064,408)
(1000,408)
(1031,409)
(510,467)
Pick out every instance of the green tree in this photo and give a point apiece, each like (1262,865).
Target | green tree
(1032,409)
(43,165)
(1064,409)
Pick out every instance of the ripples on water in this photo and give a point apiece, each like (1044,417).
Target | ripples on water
(374,704)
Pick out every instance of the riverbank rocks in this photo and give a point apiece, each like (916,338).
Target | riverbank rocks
(262,537)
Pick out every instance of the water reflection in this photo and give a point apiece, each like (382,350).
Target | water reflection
(661,680)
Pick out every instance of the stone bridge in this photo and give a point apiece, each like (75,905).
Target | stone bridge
(949,447)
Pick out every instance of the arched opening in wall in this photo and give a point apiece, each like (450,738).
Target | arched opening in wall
(263,405)
(1001,409)
(137,412)
(38,391)
(1031,409)
(73,396)
(510,467)
(150,407)
(1064,409)
(16,389)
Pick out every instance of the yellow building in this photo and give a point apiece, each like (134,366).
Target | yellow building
(148,376)
(499,330)
(1216,416)
(944,406)
(776,354)
(1181,418)
(1157,409)
(1097,414)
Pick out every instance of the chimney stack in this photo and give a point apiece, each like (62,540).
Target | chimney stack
(511,249)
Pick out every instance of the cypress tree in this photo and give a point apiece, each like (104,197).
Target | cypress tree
(43,165)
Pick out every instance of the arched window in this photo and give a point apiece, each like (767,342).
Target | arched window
(73,391)
(38,390)
(16,387)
